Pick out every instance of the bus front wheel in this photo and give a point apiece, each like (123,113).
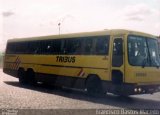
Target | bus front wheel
(94,86)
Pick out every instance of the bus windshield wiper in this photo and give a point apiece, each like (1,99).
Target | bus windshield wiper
(144,62)
(157,64)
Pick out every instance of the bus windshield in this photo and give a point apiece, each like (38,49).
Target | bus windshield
(143,51)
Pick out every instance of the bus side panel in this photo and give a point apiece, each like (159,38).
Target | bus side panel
(47,67)
(83,64)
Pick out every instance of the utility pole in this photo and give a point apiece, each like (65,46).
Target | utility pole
(59,26)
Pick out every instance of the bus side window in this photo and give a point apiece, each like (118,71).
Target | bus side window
(32,47)
(102,45)
(56,45)
(70,46)
(46,47)
(78,46)
(88,47)
(73,46)
(38,49)
(21,47)
(63,46)
(49,47)
(10,48)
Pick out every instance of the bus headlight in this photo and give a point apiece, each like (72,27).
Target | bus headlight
(135,90)
(139,89)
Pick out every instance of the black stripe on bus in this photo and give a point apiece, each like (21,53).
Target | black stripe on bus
(62,66)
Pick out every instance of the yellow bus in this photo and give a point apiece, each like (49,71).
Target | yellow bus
(122,62)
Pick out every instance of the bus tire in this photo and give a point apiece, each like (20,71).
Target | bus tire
(22,76)
(94,86)
(31,77)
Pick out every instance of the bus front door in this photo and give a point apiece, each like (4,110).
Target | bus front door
(117,66)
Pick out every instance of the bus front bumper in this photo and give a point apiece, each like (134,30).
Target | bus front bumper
(146,89)
(133,89)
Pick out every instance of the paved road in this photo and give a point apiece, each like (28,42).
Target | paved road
(13,95)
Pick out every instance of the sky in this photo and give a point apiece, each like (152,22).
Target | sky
(26,18)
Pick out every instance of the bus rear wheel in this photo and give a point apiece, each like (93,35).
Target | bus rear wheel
(94,86)
(31,77)
(22,76)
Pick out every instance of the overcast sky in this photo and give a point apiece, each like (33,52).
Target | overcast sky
(25,18)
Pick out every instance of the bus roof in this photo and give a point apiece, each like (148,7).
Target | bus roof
(83,34)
